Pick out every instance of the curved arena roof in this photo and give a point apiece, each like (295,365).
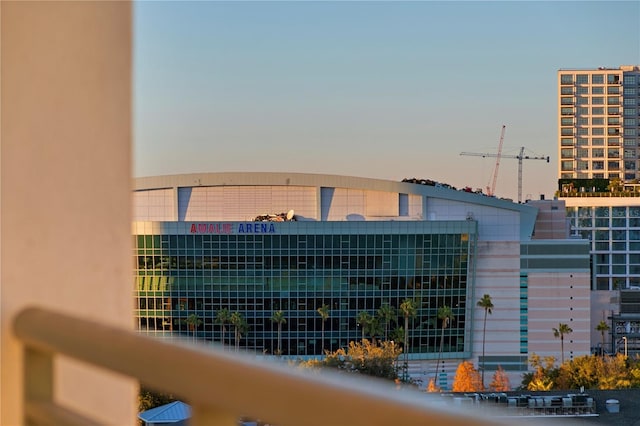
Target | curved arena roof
(428,191)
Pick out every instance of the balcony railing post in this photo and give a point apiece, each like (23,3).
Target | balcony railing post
(38,380)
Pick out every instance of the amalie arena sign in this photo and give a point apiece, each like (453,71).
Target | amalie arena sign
(233,228)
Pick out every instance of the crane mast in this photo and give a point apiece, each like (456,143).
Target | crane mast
(491,189)
(520,157)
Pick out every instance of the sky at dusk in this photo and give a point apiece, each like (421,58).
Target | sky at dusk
(383,90)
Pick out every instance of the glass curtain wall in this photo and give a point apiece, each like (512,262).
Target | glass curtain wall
(614,233)
(179,276)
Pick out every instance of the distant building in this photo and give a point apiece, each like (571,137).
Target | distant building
(598,142)
(257,243)
(625,321)
(610,221)
(598,123)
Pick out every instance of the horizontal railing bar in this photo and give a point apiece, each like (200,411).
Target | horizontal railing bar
(48,413)
(235,382)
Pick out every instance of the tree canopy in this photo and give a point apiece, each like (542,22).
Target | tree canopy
(500,382)
(467,379)
(363,357)
(591,371)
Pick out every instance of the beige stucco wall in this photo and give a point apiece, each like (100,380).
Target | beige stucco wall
(554,298)
(551,222)
(498,275)
(65,186)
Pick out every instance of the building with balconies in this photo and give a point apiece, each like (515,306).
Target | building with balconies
(599,123)
(598,171)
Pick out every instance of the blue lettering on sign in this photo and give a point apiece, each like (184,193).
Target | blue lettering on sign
(256,228)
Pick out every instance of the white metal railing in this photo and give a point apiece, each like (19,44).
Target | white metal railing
(220,386)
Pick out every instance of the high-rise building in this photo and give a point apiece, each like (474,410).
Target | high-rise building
(598,123)
(598,144)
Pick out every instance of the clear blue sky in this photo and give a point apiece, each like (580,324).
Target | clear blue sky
(375,89)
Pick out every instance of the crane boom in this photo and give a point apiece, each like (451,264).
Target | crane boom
(492,188)
(519,157)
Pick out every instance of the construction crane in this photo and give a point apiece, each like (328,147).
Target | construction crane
(491,189)
(519,157)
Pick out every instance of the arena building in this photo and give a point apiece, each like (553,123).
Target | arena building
(258,243)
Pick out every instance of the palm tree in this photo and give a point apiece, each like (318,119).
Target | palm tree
(373,328)
(486,304)
(615,185)
(560,332)
(397,336)
(323,311)
(240,326)
(445,314)
(386,314)
(409,309)
(223,317)
(193,321)
(278,318)
(602,327)
(363,319)
(243,329)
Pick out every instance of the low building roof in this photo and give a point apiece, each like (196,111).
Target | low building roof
(173,412)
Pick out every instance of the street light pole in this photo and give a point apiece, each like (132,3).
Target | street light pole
(625,345)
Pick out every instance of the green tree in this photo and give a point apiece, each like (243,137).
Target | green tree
(634,371)
(323,311)
(373,328)
(364,358)
(363,319)
(223,317)
(386,314)
(561,331)
(616,373)
(544,374)
(240,327)
(445,315)
(581,371)
(397,335)
(279,319)
(597,372)
(602,327)
(193,321)
(615,185)
(409,309)
(486,304)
